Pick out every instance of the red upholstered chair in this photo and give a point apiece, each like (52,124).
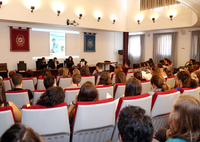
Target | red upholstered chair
(8,84)
(28,83)
(191,91)
(113,77)
(35,80)
(7,118)
(52,123)
(93,121)
(57,77)
(119,90)
(64,82)
(97,79)
(162,105)
(171,81)
(103,90)
(129,74)
(40,84)
(143,101)
(136,69)
(146,86)
(129,70)
(90,78)
(19,98)
(70,94)
(36,95)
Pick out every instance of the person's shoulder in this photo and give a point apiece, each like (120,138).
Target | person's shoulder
(176,140)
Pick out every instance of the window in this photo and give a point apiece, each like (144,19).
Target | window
(165,45)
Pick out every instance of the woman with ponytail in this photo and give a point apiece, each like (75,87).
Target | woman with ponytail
(158,84)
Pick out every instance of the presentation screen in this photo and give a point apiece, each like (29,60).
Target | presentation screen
(57,44)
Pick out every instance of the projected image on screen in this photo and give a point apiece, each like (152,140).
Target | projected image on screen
(57,44)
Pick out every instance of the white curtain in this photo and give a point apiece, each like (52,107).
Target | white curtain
(195,47)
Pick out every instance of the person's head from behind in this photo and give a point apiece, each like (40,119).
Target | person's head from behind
(120,77)
(150,60)
(2,92)
(155,70)
(55,59)
(160,65)
(43,59)
(20,133)
(185,118)
(168,72)
(52,96)
(138,75)
(196,76)
(105,79)
(46,72)
(88,92)
(11,73)
(189,69)
(76,79)
(118,68)
(99,66)
(65,72)
(48,81)
(192,61)
(17,79)
(29,73)
(127,64)
(60,71)
(158,84)
(85,71)
(133,87)
(134,125)
(76,71)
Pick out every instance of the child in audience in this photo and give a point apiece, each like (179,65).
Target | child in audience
(105,79)
(167,73)
(20,133)
(155,70)
(118,68)
(88,92)
(196,76)
(3,102)
(85,71)
(11,73)
(29,73)
(45,72)
(99,70)
(138,75)
(49,81)
(126,66)
(76,71)
(60,71)
(167,61)
(184,80)
(75,82)
(158,84)
(65,72)
(120,77)
(133,87)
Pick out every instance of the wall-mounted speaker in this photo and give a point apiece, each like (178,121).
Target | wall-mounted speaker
(120,52)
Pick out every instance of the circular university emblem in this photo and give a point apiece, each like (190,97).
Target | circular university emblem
(90,43)
(20,40)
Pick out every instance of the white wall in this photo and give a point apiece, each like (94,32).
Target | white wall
(107,45)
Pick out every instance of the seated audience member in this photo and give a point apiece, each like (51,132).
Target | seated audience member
(189,69)
(150,60)
(45,72)
(85,71)
(184,121)
(196,76)
(158,84)
(29,73)
(133,87)
(98,70)
(167,73)
(135,66)
(167,61)
(60,71)
(126,66)
(162,62)
(184,80)
(20,133)
(55,63)
(51,97)
(118,68)
(134,125)
(11,73)
(75,82)
(105,79)
(88,92)
(138,75)
(17,80)
(190,62)
(76,71)
(155,71)
(65,72)
(196,66)
(49,81)
(42,63)
(160,65)
(120,77)
(3,102)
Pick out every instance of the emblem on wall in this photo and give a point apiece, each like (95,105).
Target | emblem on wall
(89,42)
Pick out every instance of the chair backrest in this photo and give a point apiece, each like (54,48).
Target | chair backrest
(28,83)
(70,94)
(119,90)
(36,95)
(171,81)
(129,70)
(136,69)
(128,75)
(57,77)
(64,82)
(7,118)
(52,123)
(162,105)
(99,127)
(97,79)
(103,90)
(113,78)
(19,98)
(143,101)
(191,91)
(8,84)
(90,78)
(40,84)
(146,86)
(35,80)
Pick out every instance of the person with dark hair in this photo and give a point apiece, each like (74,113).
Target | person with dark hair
(45,72)
(138,75)
(126,66)
(189,69)
(49,81)
(4,103)
(98,70)
(167,61)
(20,133)
(85,71)
(11,73)
(69,63)
(190,62)
(150,60)
(42,63)
(105,79)
(184,80)
(75,82)
(167,73)
(51,97)
(17,80)
(134,125)
(29,73)
(88,92)
(120,77)
(133,87)
(158,84)
(196,77)
(55,63)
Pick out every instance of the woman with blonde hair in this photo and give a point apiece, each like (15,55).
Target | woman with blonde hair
(118,68)
(76,71)
(120,77)
(65,72)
